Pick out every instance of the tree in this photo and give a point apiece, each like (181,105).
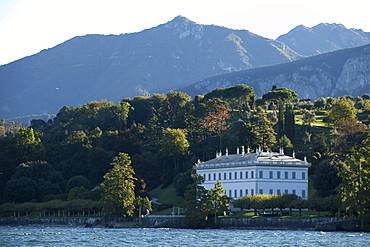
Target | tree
(264,134)
(319,143)
(280,96)
(143,204)
(176,102)
(215,121)
(78,181)
(355,187)
(196,203)
(218,200)
(325,179)
(20,190)
(244,202)
(308,117)
(320,103)
(119,188)
(339,110)
(289,129)
(347,131)
(40,173)
(174,143)
(241,94)
(284,142)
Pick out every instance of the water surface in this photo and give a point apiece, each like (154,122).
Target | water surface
(74,236)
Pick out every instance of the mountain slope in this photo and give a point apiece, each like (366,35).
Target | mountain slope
(323,38)
(162,58)
(337,73)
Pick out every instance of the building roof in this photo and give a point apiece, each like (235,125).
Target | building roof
(252,159)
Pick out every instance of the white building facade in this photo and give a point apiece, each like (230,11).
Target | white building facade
(256,173)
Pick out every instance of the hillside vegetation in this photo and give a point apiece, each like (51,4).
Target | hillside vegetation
(154,142)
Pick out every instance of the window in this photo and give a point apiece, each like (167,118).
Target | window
(219,176)
(286,192)
(246,174)
(230,193)
(241,193)
(286,175)
(236,175)
(209,176)
(303,175)
(252,192)
(214,176)
(261,191)
(278,174)
(293,192)
(235,193)
(252,174)
(230,175)
(271,174)
(261,174)
(271,191)
(303,194)
(278,192)
(224,175)
(204,176)
(293,175)
(246,191)
(241,175)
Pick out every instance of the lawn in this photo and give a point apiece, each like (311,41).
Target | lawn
(168,197)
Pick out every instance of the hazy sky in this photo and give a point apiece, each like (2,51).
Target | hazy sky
(28,26)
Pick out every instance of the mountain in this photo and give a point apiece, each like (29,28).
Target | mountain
(95,67)
(323,38)
(337,73)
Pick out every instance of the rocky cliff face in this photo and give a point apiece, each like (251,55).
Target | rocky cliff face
(343,72)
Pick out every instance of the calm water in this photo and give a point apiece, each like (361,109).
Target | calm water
(69,236)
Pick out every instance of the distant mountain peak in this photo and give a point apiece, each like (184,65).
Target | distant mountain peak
(183,27)
(323,37)
(179,21)
(331,26)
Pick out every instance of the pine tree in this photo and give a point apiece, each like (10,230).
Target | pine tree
(355,188)
(118,187)
(264,133)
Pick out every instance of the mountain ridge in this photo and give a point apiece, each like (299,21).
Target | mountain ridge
(323,37)
(166,57)
(159,59)
(337,73)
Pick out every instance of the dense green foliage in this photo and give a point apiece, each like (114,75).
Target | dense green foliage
(154,141)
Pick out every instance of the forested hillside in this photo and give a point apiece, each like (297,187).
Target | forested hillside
(164,135)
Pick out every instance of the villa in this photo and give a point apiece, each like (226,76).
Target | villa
(261,172)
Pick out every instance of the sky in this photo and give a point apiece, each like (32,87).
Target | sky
(29,26)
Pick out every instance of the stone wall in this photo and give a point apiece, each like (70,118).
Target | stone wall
(270,223)
(176,221)
(162,221)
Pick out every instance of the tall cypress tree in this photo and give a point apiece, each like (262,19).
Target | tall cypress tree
(289,122)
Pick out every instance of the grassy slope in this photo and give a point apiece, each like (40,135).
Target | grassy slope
(165,196)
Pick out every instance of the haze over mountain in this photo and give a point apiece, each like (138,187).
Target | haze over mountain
(323,38)
(159,59)
(337,73)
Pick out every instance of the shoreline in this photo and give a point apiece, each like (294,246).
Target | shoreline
(265,223)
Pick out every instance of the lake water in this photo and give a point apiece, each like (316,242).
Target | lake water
(74,236)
